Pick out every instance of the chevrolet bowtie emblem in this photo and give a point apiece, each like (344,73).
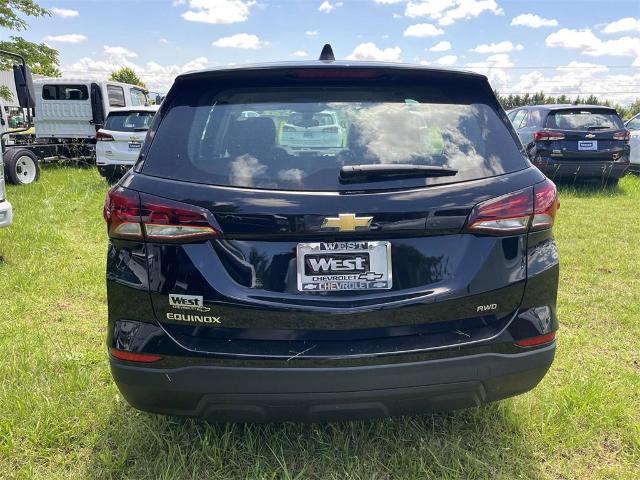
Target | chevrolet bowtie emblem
(589,135)
(347,222)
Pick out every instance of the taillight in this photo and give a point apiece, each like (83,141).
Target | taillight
(545,205)
(103,137)
(168,221)
(133,356)
(507,214)
(130,215)
(535,341)
(624,135)
(531,209)
(122,213)
(547,135)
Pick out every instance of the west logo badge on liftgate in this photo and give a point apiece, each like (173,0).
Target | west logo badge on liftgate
(187,302)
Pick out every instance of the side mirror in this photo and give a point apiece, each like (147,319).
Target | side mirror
(24,86)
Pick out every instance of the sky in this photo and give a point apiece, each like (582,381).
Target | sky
(556,46)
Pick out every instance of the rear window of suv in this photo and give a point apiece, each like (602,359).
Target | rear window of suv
(298,138)
(584,119)
(128,121)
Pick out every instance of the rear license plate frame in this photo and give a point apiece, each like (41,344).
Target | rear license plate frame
(375,259)
(587,145)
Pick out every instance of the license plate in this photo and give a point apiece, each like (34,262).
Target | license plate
(134,146)
(344,266)
(587,145)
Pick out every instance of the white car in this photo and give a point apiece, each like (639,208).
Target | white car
(6,212)
(633,126)
(119,141)
(309,130)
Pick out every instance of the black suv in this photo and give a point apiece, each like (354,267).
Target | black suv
(329,240)
(573,142)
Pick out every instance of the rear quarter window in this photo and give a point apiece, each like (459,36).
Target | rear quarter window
(298,138)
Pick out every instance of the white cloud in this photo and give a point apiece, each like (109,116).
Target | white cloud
(157,77)
(495,67)
(443,46)
(239,40)
(423,30)
(533,21)
(627,24)
(163,41)
(217,11)
(450,11)
(66,38)
(432,9)
(311,33)
(119,52)
(582,69)
(328,7)
(500,47)
(589,44)
(499,60)
(300,53)
(447,60)
(369,51)
(65,12)
(387,2)
(578,78)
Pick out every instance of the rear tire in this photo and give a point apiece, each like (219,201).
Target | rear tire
(612,183)
(111,173)
(22,167)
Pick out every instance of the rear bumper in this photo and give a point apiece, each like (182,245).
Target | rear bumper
(254,394)
(592,169)
(6,213)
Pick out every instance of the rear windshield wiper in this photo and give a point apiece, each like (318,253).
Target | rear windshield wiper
(601,127)
(140,129)
(375,172)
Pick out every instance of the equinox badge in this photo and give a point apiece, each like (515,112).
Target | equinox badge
(347,222)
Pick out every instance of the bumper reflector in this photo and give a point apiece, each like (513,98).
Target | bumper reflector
(535,341)
(134,357)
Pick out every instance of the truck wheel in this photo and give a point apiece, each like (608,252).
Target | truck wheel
(21,166)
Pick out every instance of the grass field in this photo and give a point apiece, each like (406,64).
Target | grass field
(62,417)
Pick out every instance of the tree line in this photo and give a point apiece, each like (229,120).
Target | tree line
(509,102)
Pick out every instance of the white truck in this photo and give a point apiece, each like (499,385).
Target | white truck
(68,113)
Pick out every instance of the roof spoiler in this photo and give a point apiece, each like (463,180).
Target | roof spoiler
(327,53)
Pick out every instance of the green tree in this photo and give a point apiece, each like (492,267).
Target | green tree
(513,101)
(5,93)
(42,59)
(127,75)
(9,9)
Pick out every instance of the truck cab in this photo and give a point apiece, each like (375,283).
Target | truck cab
(68,108)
